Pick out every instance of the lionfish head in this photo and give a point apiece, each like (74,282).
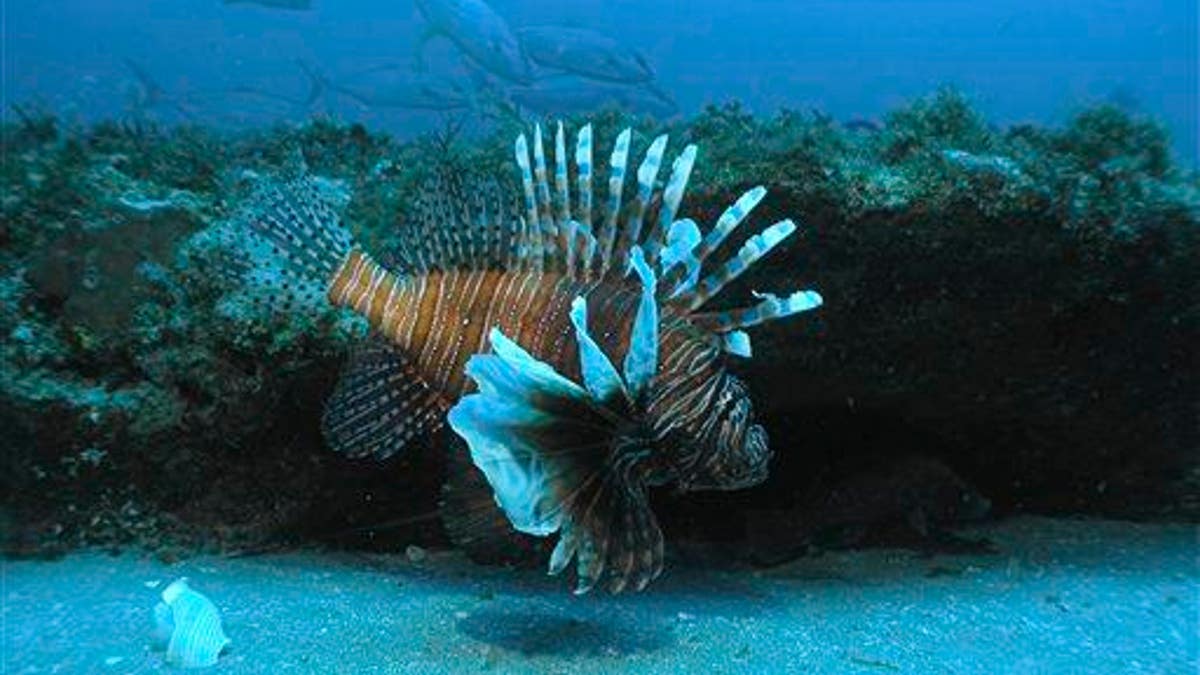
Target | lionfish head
(728,450)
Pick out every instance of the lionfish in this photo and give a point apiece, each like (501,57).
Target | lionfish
(507,320)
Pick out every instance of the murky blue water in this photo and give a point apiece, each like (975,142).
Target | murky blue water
(1020,60)
(1002,360)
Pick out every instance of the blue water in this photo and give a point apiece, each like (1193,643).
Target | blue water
(1019,60)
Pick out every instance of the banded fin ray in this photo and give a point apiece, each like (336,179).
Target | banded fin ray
(646,175)
(583,168)
(616,185)
(770,308)
(459,222)
(379,406)
(532,250)
(755,248)
(681,170)
(546,218)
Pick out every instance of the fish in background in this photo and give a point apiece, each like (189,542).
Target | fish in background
(505,315)
(379,88)
(391,86)
(319,92)
(297,5)
(584,52)
(396,87)
(482,35)
(147,94)
(862,125)
(567,95)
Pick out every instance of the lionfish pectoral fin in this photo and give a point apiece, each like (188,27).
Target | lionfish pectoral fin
(529,430)
(552,453)
(379,406)
(472,519)
(611,529)
(565,457)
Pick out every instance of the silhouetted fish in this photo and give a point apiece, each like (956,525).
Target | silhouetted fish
(512,319)
(479,33)
(861,124)
(410,91)
(393,87)
(572,95)
(584,52)
(149,94)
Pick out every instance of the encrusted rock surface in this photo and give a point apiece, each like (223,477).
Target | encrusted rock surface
(1023,303)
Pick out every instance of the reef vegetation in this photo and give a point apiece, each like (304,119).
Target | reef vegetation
(1021,303)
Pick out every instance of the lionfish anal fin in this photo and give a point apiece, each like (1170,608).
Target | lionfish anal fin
(380,404)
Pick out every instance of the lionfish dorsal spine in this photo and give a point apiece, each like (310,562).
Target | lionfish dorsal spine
(646,175)
(770,307)
(583,169)
(681,171)
(546,218)
(531,228)
(676,246)
(616,185)
(751,252)
(561,184)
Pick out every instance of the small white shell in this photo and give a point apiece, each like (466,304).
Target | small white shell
(190,625)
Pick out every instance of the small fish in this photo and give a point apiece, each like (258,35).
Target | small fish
(918,492)
(572,95)
(391,87)
(147,94)
(564,341)
(298,5)
(408,91)
(584,52)
(479,33)
(984,165)
(862,124)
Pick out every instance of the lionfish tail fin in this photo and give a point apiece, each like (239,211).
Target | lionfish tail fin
(299,242)
(569,457)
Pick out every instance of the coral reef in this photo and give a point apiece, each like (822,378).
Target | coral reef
(1021,302)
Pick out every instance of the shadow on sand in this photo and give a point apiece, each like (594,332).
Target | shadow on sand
(539,632)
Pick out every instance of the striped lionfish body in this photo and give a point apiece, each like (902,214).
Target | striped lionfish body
(507,321)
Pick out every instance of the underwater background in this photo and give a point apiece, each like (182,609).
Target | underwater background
(986,442)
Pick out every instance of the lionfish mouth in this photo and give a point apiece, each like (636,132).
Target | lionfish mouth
(749,465)
(739,460)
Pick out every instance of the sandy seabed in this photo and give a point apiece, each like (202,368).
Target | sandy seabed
(1061,595)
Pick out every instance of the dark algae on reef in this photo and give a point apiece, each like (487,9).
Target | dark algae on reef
(1018,303)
